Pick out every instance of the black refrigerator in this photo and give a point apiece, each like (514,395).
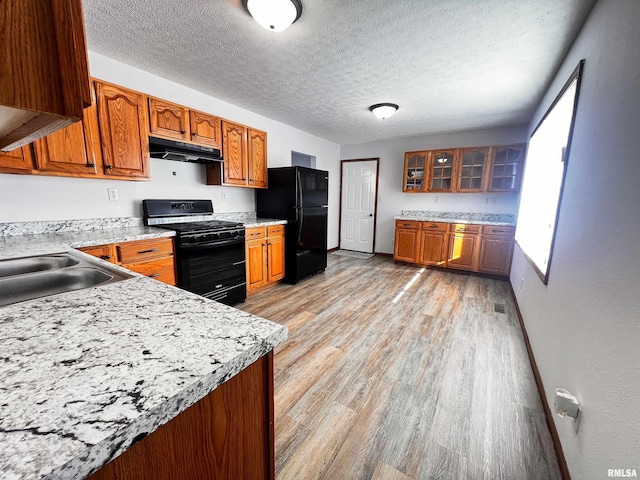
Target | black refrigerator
(300,196)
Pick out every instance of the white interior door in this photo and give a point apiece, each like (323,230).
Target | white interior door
(358,199)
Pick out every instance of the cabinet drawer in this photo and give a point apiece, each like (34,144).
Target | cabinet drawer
(435,226)
(105,252)
(466,228)
(255,233)
(412,224)
(162,269)
(498,230)
(139,251)
(275,230)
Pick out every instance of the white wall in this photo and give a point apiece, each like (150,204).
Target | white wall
(391,199)
(584,326)
(28,197)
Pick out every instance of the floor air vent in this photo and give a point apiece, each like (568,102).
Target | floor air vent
(498,308)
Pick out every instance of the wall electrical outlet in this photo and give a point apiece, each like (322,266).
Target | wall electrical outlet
(521,283)
(113,194)
(223,196)
(436,199)
(491,200)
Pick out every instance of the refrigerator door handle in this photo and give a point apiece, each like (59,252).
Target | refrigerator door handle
(300,222)
(299,188)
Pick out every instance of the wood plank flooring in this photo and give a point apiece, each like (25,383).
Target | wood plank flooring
(392,372)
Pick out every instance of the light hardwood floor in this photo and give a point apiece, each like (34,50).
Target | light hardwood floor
(396,372)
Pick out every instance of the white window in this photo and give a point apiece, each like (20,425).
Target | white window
(546,163)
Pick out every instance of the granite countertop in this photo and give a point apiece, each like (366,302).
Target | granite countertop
(85,374)
(499,219)
(262,222)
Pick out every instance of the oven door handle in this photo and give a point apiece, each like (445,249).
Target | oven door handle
(212,245)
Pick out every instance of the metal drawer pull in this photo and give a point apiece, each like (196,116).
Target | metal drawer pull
(105,257)
(151,250)
(154,275)
(434,226)
(255,234)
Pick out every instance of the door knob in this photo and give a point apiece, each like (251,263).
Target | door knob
(371,214)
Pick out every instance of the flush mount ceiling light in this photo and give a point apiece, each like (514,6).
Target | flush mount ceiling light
(274,15)
(383,110)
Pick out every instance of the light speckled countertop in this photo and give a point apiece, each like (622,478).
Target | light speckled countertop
(459,217)
(82,374)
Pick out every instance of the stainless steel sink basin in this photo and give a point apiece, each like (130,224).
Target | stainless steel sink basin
(24,279)
(18,266)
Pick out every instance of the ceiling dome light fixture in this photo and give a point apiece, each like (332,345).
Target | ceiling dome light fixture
(274,15)
(383,110)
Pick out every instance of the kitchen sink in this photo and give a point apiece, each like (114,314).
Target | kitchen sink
(28,278)
(18,266)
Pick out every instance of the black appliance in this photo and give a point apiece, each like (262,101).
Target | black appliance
(210,254)
(182,152)
(300,196)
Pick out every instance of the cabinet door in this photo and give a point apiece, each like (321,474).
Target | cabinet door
(168,119)
(123,131)
(70,150)
(275,255)
(257,158)
(495,255)
(18,159)
(162,269)
(463,251)
(257,274)
(415,171)
(406,245)
(473,171)
(433,248)
(234,141)
(507,164)
(205,129)
(442,169)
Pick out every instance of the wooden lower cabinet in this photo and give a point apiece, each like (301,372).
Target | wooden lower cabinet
(154,258)
(228,435)
(264,255)
(475,248)
(407,241)
(463,251)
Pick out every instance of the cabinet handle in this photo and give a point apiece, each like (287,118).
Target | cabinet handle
(256,234)
(250,180)
(243,179)
(108,167)
(151,250)
(183,132)
(433,226)
(105,257)
(154,275)
(91,165)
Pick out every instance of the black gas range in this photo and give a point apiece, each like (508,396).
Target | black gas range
(210,254)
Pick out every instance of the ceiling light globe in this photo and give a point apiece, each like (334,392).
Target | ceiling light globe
(274,15)
(383,110)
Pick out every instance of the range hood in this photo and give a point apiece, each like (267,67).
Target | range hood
(183,152)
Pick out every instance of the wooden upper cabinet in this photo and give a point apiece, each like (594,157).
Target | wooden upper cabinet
(123,131)
(257,156)
(44,76)
(507,164)
(442,170)
(415,172)
(234,140)
(168,119)
(19,160)
(473,169)
(71,150)
(205,129)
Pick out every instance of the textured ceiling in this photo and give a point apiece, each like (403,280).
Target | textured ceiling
(450,64)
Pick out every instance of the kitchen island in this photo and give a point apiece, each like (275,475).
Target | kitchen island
(89,375)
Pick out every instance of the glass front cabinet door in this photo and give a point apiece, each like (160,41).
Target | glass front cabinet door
(506,168)
(441,169)
(473,169)
(415,169)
